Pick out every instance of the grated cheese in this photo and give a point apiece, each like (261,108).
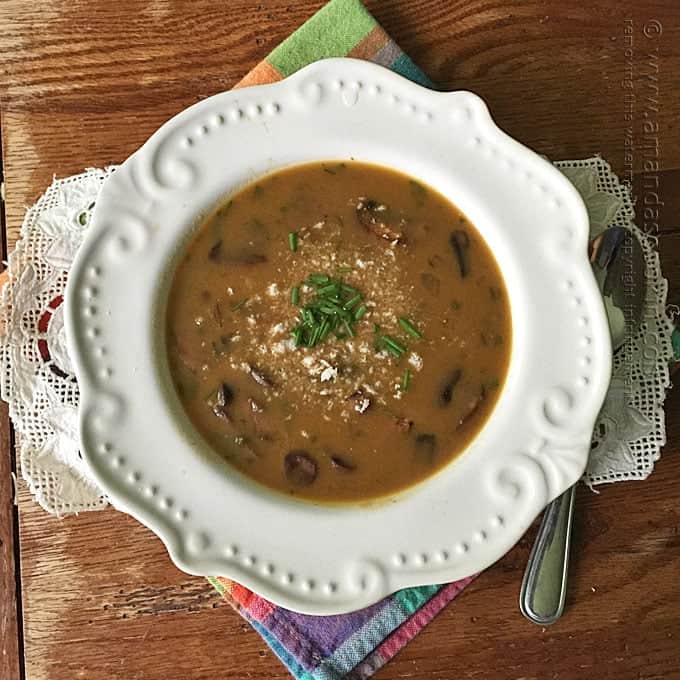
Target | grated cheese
(415,360)
(335,369)
(329,373)
(362,405)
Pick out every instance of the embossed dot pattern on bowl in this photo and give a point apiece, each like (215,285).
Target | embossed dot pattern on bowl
(458,522)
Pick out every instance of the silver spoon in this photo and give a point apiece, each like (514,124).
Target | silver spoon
(619,268)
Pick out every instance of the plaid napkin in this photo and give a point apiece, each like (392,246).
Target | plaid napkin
(351,646)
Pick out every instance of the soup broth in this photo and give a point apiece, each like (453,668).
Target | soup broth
(338,331)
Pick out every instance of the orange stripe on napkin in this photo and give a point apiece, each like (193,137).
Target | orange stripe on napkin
(263,74)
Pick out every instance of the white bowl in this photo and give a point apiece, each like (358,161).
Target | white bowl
(314,558)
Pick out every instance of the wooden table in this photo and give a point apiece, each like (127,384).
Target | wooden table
(84,83)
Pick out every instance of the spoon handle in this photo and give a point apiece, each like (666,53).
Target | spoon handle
(544,585)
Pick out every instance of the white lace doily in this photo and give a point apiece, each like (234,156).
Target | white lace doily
(38,382)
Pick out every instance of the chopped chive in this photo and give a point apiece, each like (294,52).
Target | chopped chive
(352,301)
(377,340)
(394,352)
(344,270)
(238,305)
(328,288)
(314,337)
(349,289)
(339,309)
(347,317)
(405,380)
(292,240)
(393,342)
(325,329)
(349,328)
(410,328)
(360,312)
(329,310)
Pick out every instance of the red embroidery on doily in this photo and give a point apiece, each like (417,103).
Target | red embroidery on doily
(43,327)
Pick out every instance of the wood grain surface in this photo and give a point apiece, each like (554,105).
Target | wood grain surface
(10,633)
(10,637)
(85,83)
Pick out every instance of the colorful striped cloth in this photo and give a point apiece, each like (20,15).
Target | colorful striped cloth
(351,646)
(342,28)
(348,646)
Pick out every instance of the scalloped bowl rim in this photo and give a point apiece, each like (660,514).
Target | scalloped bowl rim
(456,523)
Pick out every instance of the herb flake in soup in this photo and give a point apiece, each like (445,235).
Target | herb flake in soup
(338,331)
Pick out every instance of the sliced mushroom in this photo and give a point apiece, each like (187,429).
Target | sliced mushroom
(300,468)
(225,395)
(373,217)
(472,406)
(215,252)
(221,412)
(460,242)
(343,464)
(426,446)
(254,406)
(449,385)
(259,377)
(243,256)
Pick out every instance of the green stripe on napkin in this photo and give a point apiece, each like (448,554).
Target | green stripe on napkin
(332,32)
(342,28)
